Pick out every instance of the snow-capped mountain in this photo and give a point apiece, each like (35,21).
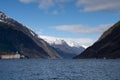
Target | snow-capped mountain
(15,37)
(65,47)
(58,41)
(7,20)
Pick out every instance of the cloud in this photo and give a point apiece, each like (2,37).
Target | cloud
(98,5)
(81,41)
(27,1)
(46,4)
(83,5)
(83,29)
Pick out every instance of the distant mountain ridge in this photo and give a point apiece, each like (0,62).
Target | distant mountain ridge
(15,37)
(108,45)
(65,48)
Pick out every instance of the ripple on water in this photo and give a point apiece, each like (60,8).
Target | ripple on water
(37,69)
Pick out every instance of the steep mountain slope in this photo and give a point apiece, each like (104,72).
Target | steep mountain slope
(65,48)
(108,45)
(15,37)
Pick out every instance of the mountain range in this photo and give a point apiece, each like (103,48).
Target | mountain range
(16,38)
(107,46)
(66,48)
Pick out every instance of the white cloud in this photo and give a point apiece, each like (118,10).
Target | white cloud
(81,41)
(83,29)
(99,5)
(83,5)
(46,4)
(27,1)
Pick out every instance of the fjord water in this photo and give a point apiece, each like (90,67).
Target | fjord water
(38,69)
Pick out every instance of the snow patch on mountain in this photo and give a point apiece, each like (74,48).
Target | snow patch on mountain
(3,17)
(59,41)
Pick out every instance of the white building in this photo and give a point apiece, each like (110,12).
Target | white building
(10,56)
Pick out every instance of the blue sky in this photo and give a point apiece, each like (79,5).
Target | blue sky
(75,19)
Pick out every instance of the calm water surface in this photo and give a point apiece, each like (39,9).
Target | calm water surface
(38,69)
